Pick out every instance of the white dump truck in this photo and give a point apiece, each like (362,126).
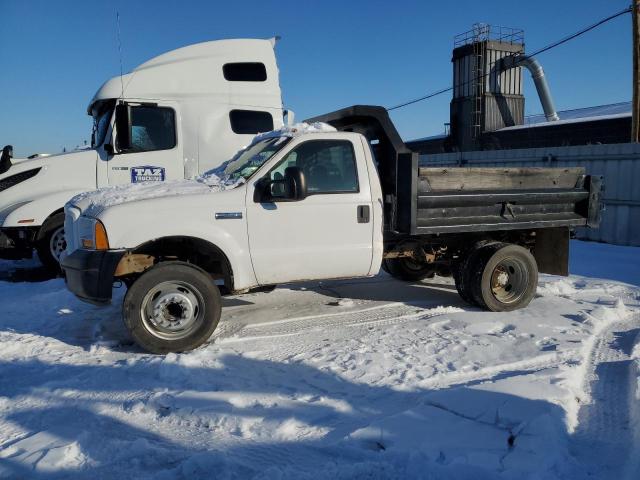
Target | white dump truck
(173,117)
(319,202)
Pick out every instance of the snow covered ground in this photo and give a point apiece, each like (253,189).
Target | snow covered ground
(370,379)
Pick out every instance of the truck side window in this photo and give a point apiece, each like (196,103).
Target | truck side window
(329,166)
(245,122)
(244,72)
(152,128)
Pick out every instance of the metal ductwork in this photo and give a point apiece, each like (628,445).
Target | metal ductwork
(540,81)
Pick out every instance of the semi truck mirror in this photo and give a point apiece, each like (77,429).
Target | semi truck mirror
(5,159)
(123,127)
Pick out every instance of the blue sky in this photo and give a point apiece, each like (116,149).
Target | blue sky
(55,55)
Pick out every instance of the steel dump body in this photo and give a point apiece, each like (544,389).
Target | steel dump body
(471,199)
(434,201)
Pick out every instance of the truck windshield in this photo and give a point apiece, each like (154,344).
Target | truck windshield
(245,163)
(101,119)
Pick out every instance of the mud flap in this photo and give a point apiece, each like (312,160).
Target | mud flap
(552,250)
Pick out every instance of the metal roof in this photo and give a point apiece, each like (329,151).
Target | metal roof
(598,112)
(584,113)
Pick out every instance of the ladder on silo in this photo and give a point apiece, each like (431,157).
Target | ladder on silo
(477,79)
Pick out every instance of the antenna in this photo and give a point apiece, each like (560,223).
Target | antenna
(119,53)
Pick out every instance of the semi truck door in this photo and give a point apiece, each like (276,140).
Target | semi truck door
(329,233)
(155,154)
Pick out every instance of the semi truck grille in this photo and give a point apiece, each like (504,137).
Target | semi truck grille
(17,178)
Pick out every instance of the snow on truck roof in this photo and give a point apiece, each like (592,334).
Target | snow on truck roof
(196,70)
(296,130)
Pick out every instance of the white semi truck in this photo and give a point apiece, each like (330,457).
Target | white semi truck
(320,203)
(173,117)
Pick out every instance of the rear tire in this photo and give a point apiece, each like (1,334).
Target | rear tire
(462,282)
(461,272)
(51,242)
(502,277)
(172,307)
(408,270)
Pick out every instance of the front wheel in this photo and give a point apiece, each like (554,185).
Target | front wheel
(172,307)
(51,242)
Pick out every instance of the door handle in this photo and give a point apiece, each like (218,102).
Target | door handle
(364,214)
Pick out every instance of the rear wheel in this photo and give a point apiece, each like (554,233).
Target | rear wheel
(408,269)
(502,277)
(172,307)
(51,242)
(462,282)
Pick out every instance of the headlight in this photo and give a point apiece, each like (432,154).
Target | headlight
(92,234)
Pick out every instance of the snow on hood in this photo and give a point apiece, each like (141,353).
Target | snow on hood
(92,203)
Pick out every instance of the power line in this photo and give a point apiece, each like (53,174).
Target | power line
(537,52)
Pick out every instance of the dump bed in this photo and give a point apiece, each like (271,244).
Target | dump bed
(485,199)
(459,199)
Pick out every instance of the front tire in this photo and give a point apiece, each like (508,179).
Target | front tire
(172,307)
(407,269)
(51,242)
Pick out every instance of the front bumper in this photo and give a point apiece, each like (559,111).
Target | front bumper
(17,243)
(89,274)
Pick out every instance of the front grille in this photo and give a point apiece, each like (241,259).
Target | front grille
(12,180)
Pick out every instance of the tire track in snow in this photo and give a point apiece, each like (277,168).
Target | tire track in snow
(606,424)
(387,314)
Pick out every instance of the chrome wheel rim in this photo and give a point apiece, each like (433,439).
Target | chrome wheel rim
(172,310)
(57,243)
(509,280)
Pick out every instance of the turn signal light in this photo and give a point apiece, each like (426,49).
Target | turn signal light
(102,242)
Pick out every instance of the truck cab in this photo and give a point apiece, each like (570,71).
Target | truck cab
(173,117)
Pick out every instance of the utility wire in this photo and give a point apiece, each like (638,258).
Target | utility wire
(537,52)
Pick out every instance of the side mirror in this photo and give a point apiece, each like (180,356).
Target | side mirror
(296,183)
(5,159)
(291,188)
(123,127)
(108,148)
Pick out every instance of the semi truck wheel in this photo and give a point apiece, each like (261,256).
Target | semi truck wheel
(502,277)
(407,269)
(172,307)
(51,242)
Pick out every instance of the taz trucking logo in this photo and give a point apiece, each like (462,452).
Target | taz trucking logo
(147,174)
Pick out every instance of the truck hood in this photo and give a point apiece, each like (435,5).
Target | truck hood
(94,203)
(22,165)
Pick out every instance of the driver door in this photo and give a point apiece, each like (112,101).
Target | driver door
(156,151)
(321,236)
